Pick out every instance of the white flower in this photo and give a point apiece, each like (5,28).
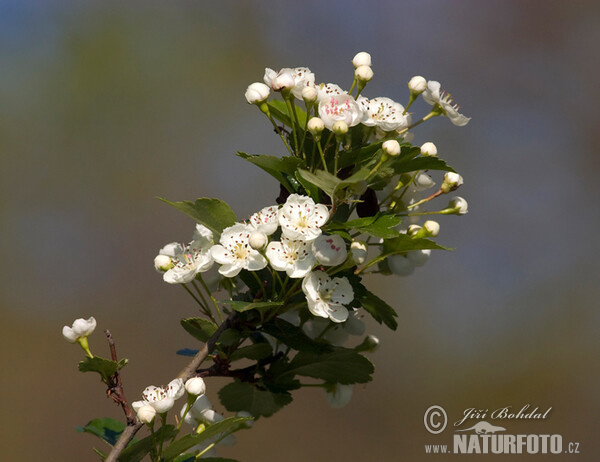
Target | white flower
(338,334)
(340,395)
(432,95)
(358,249)
(293,256)
(451,182)
(146,414)
(418,257)
(417,84)
(391,148)
(400,265)
(257,93)
(266,220)
(459,205)
(315,126)
(361,59)
(292,79)
(340,107)
(326,297)
(327,90)
(191,259)
(161,399)
(234,253)
(162,263)
(195,386)
(363,73)
(330,250)
(300,218)
(432,228)
(384,114)
(80,328)
(196,413)
(429,149)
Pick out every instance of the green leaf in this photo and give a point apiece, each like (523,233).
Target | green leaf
(323,180)
(311,189)
(137,451)
(293,337)
(342,365)
(107,429)
(229,337)
(380,225)
(256,351)
(376,307)
(364,155)
(105,367)
(420,163)
(244,396)
(401,244)
(277,167)
(200,328)
(215,214)
(242,306)
(219,430)
(280,112)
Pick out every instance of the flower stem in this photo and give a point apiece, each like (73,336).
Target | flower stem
(163,420)
(293,118)
(278,130)
(322,157)
(212,298)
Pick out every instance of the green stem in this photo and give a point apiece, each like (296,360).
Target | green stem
(352,86)
(290,105)
(261,284)
(163,419)
(279,132)
(433,113)
(210,295)
(208,448)
(153,453)
(322,154)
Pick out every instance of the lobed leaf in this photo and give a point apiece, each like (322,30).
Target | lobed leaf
(277,167)
(215,214)
(200,328)
(107,429)
(105,367)
(244,396)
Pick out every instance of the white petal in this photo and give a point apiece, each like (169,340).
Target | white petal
(318,308)
(342,291)
(163,405)
(203,235)
(230,270)
(312,284)
(179,276)
(255,261)
(337,313)
(175,389)
(136,405)
(221,254)
(270,74)
(84,327)
(171,250)
(275,254)
(340,396)
(69,334)
(302,267)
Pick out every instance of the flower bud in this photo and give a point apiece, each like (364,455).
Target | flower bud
(432,228)
(316,126)
(146,414)
(162,263)
(452,181)
(339,395)
(391,148)
(413,230)
(458,205)
(417,84)
(258,240)
(429,149)
(340,128)
(418,257)
(195,386)
(257,93)
(358,250)
(283,81)
(330,250)
(363,74)
(309,94)
(371,343)
(423,181)
(361,59)
(80,328)
(400,265)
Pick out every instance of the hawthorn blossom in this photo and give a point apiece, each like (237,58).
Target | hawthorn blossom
(327,90)
(235,254)
(337,335)
(293,256)
(300,77)
(257,93)
(146,414)
(330,250)
(340,107)
(383,113)
(434,96)
(80,329)
(189,260)
(326,297)
(161,399)
(266,220)
(300,218)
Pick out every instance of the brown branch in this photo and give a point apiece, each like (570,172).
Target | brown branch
(188,372)
(115,386)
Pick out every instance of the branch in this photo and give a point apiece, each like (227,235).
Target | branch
(188,372)
(115,386)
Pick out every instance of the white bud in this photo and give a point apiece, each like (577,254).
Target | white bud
(413,229)
(429,149)
(363,73)
(417,84)
(358,250)
(361,59)
(340,395)
(459,205)
(195,386)
(432,228)
(316,126)
(162,263)
(400,265)
(258,240)
(257,93)
(247,423)
(451,182)
(283,81)
(423,181)
(371,343)
(330,250)
(146,414)
(391,148)
(79,329)
(309,94)
(418,257)
(340,127)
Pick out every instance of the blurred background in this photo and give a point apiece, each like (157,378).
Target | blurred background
(106,105)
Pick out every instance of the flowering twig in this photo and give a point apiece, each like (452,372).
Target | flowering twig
(115,390)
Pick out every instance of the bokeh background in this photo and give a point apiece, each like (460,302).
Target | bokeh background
(106,105)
